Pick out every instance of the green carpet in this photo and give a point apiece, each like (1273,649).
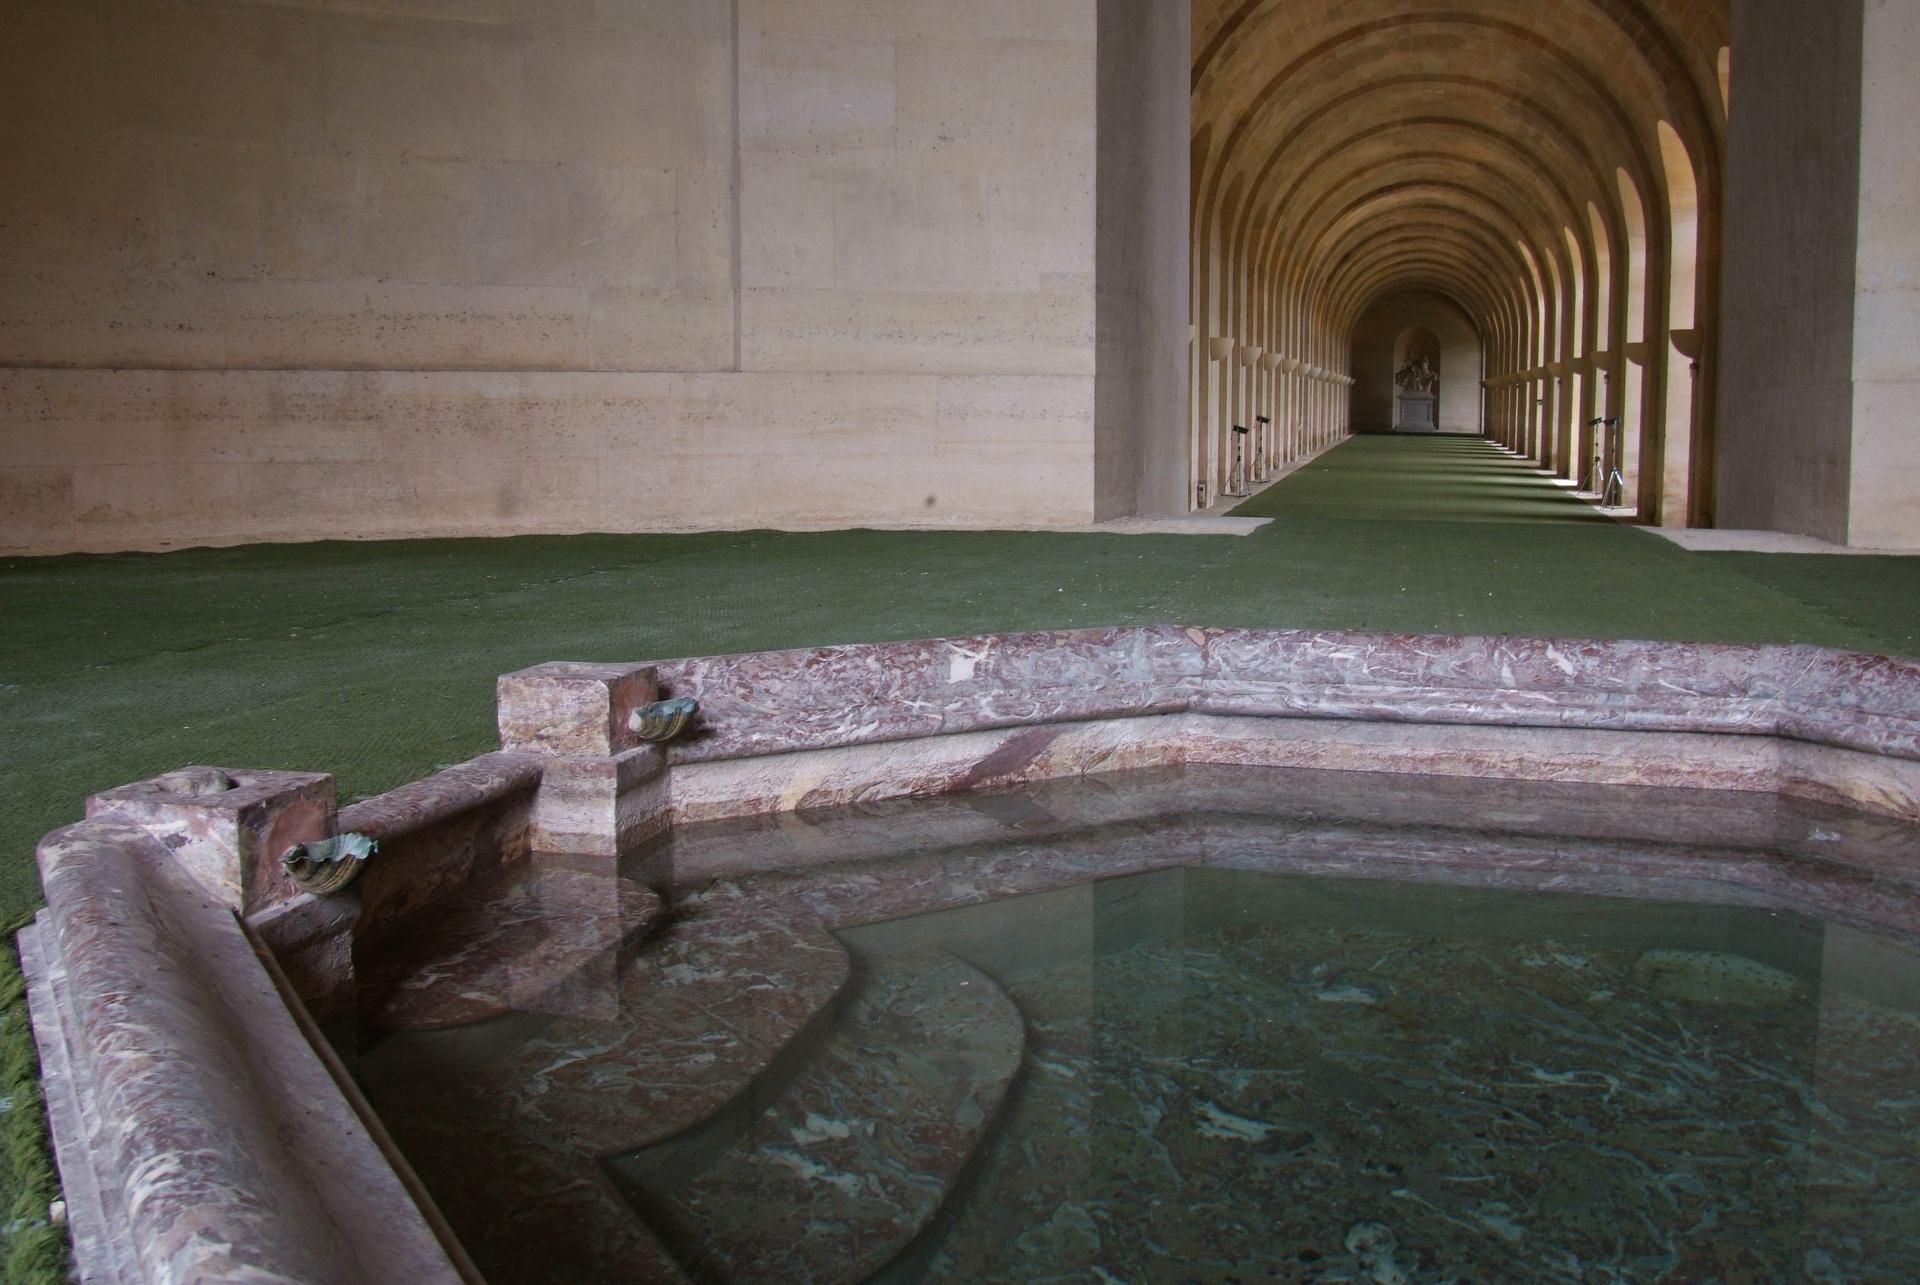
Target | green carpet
(33,1251)
(1398,478)
(376,661)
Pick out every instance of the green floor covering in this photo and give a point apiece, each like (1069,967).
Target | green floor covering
(376,661)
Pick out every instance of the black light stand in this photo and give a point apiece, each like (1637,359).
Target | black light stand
(1262,458)
(1236,480)
(1616,481)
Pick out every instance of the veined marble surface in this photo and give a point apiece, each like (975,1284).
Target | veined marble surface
(1304,1081)
(697,978)
(753,1110)
(773,701)
(817,727)
(856,1154)
(152,1005)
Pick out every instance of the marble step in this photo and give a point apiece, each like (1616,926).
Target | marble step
(548,936)
(704,1017)
(507,1119)
(839,1174)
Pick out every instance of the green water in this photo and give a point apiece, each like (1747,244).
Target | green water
(1233,1076)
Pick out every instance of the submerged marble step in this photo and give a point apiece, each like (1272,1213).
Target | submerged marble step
(546,937)
(708,1013)
(697,1020)
(851,1162)
(506,1119)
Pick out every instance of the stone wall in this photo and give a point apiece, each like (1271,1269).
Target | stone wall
(1793,171)
(287,270)
(412,184)
(1145,158)
(1885,461)
(1821,344)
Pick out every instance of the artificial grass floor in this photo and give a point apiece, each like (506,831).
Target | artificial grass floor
(376,661)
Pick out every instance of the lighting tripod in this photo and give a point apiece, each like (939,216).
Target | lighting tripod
(1602,480)
(1237,479)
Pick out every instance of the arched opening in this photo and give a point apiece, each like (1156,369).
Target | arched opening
(1632,411)
(1553,384)
(1602,362)
(1534,437)
(1579,396)
(1683,353)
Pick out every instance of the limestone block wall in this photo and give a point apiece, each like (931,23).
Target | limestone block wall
(1821,343)
(1145,177)
(1885,463)
(917,186)
(1793,168)
(408,184)
(288,269)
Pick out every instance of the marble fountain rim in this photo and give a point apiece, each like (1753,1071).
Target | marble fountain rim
(1794,691)
(151,999)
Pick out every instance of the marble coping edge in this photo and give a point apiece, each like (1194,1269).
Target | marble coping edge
(774,702)
(800,780)
(190,1175)
(195,1124)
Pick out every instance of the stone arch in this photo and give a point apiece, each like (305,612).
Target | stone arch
(1683,351)
(1633,406)
(1469,149)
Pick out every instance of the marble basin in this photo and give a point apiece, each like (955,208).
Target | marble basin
(636,955)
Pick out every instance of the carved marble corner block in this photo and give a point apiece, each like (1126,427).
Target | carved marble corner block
(604,789)
(227,828)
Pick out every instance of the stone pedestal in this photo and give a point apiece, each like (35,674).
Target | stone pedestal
(603,788)
(226,827)
(1416,413)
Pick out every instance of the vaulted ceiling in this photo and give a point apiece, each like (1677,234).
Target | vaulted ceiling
(1348,149)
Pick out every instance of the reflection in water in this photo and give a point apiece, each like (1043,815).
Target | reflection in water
(1243,1075)
(1211,1025)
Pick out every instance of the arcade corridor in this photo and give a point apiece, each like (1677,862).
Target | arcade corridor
(1421,479)
(354,355)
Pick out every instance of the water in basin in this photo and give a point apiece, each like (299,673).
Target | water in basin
(1210,1065)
